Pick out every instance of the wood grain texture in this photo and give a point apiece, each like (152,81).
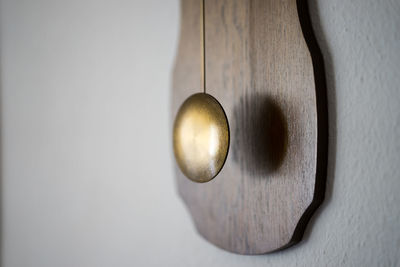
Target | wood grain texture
(260,69)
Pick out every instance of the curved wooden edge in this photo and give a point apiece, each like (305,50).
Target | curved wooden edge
(322,117)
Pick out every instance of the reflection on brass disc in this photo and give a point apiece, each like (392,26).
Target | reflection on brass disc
(201,137)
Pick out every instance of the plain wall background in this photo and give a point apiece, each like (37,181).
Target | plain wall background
(87,174)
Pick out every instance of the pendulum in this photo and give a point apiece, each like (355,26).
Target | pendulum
(201,130)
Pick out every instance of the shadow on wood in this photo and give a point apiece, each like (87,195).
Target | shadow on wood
(261,135)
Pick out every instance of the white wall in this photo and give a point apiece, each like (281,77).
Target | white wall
(86,155)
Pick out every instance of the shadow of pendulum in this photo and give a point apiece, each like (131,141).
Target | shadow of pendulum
(260,135)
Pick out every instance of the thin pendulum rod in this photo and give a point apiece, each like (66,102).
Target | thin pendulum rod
(203,46)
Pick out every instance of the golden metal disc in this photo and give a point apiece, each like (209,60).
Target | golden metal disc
(201,137)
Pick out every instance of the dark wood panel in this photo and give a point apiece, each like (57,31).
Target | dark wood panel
(260,69)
